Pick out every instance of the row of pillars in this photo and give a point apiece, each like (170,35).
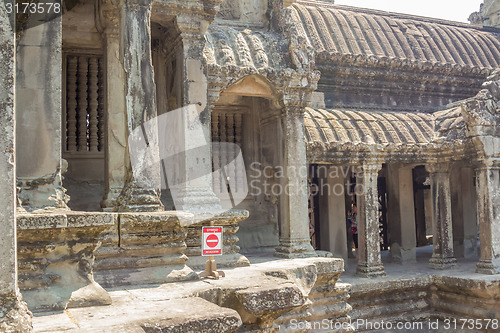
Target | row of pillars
(131,100)
(402,216)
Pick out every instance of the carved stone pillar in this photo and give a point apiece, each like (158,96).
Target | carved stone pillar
(442,256)
(369,260)
(116,118)
(488,197)
(39,122)
(294,222)
(14,314)
(142,186)
(196,194)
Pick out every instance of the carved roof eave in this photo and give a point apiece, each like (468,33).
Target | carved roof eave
(334,61)
(350,154)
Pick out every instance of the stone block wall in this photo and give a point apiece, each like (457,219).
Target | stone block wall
(56,259)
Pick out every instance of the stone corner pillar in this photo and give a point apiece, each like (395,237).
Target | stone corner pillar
(294,239)
(369,259)
(443,255)
(142,184)
(39,117)
(488,198)
(14,314)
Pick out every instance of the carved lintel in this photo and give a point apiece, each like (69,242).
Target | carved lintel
(442,167)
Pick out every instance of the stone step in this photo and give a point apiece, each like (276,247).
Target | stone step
(191,314)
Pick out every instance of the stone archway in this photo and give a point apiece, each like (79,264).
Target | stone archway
(246,114)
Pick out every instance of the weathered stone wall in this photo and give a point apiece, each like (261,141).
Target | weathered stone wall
(56,259)
(144,248)
(424,298)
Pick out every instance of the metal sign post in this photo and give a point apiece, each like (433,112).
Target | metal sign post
(211,246)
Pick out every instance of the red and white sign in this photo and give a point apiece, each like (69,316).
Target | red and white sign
(211,241)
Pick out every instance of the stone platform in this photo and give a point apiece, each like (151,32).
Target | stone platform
(259,298)
(414,293)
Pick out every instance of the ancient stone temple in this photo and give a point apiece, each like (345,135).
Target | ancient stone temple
(128,125)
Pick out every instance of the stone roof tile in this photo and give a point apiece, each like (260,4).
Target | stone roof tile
(326,129)
(343,30)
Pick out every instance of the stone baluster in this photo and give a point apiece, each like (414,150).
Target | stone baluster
(93,104)
(488,198)
(100,110)
(71,104)
(294,223)
(369,260)
(231,152)
(238,174)
(223,147)
(14,314)
(442,256)
(217,182)
(83,63)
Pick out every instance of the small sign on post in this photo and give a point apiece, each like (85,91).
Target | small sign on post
(212,241)
(211,245)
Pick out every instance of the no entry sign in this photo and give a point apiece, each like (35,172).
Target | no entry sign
(211,241)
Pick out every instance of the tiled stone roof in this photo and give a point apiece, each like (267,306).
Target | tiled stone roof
(329,129)
(342,30)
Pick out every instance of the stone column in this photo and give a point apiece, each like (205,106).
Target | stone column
(369,260)
(457,212)
(142,186)
(39,116)
(332,214)
(294,221)
(488,198)
(402,214)
(469,200)
(442,256)
(116,118)
(193,138)
(14,314)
